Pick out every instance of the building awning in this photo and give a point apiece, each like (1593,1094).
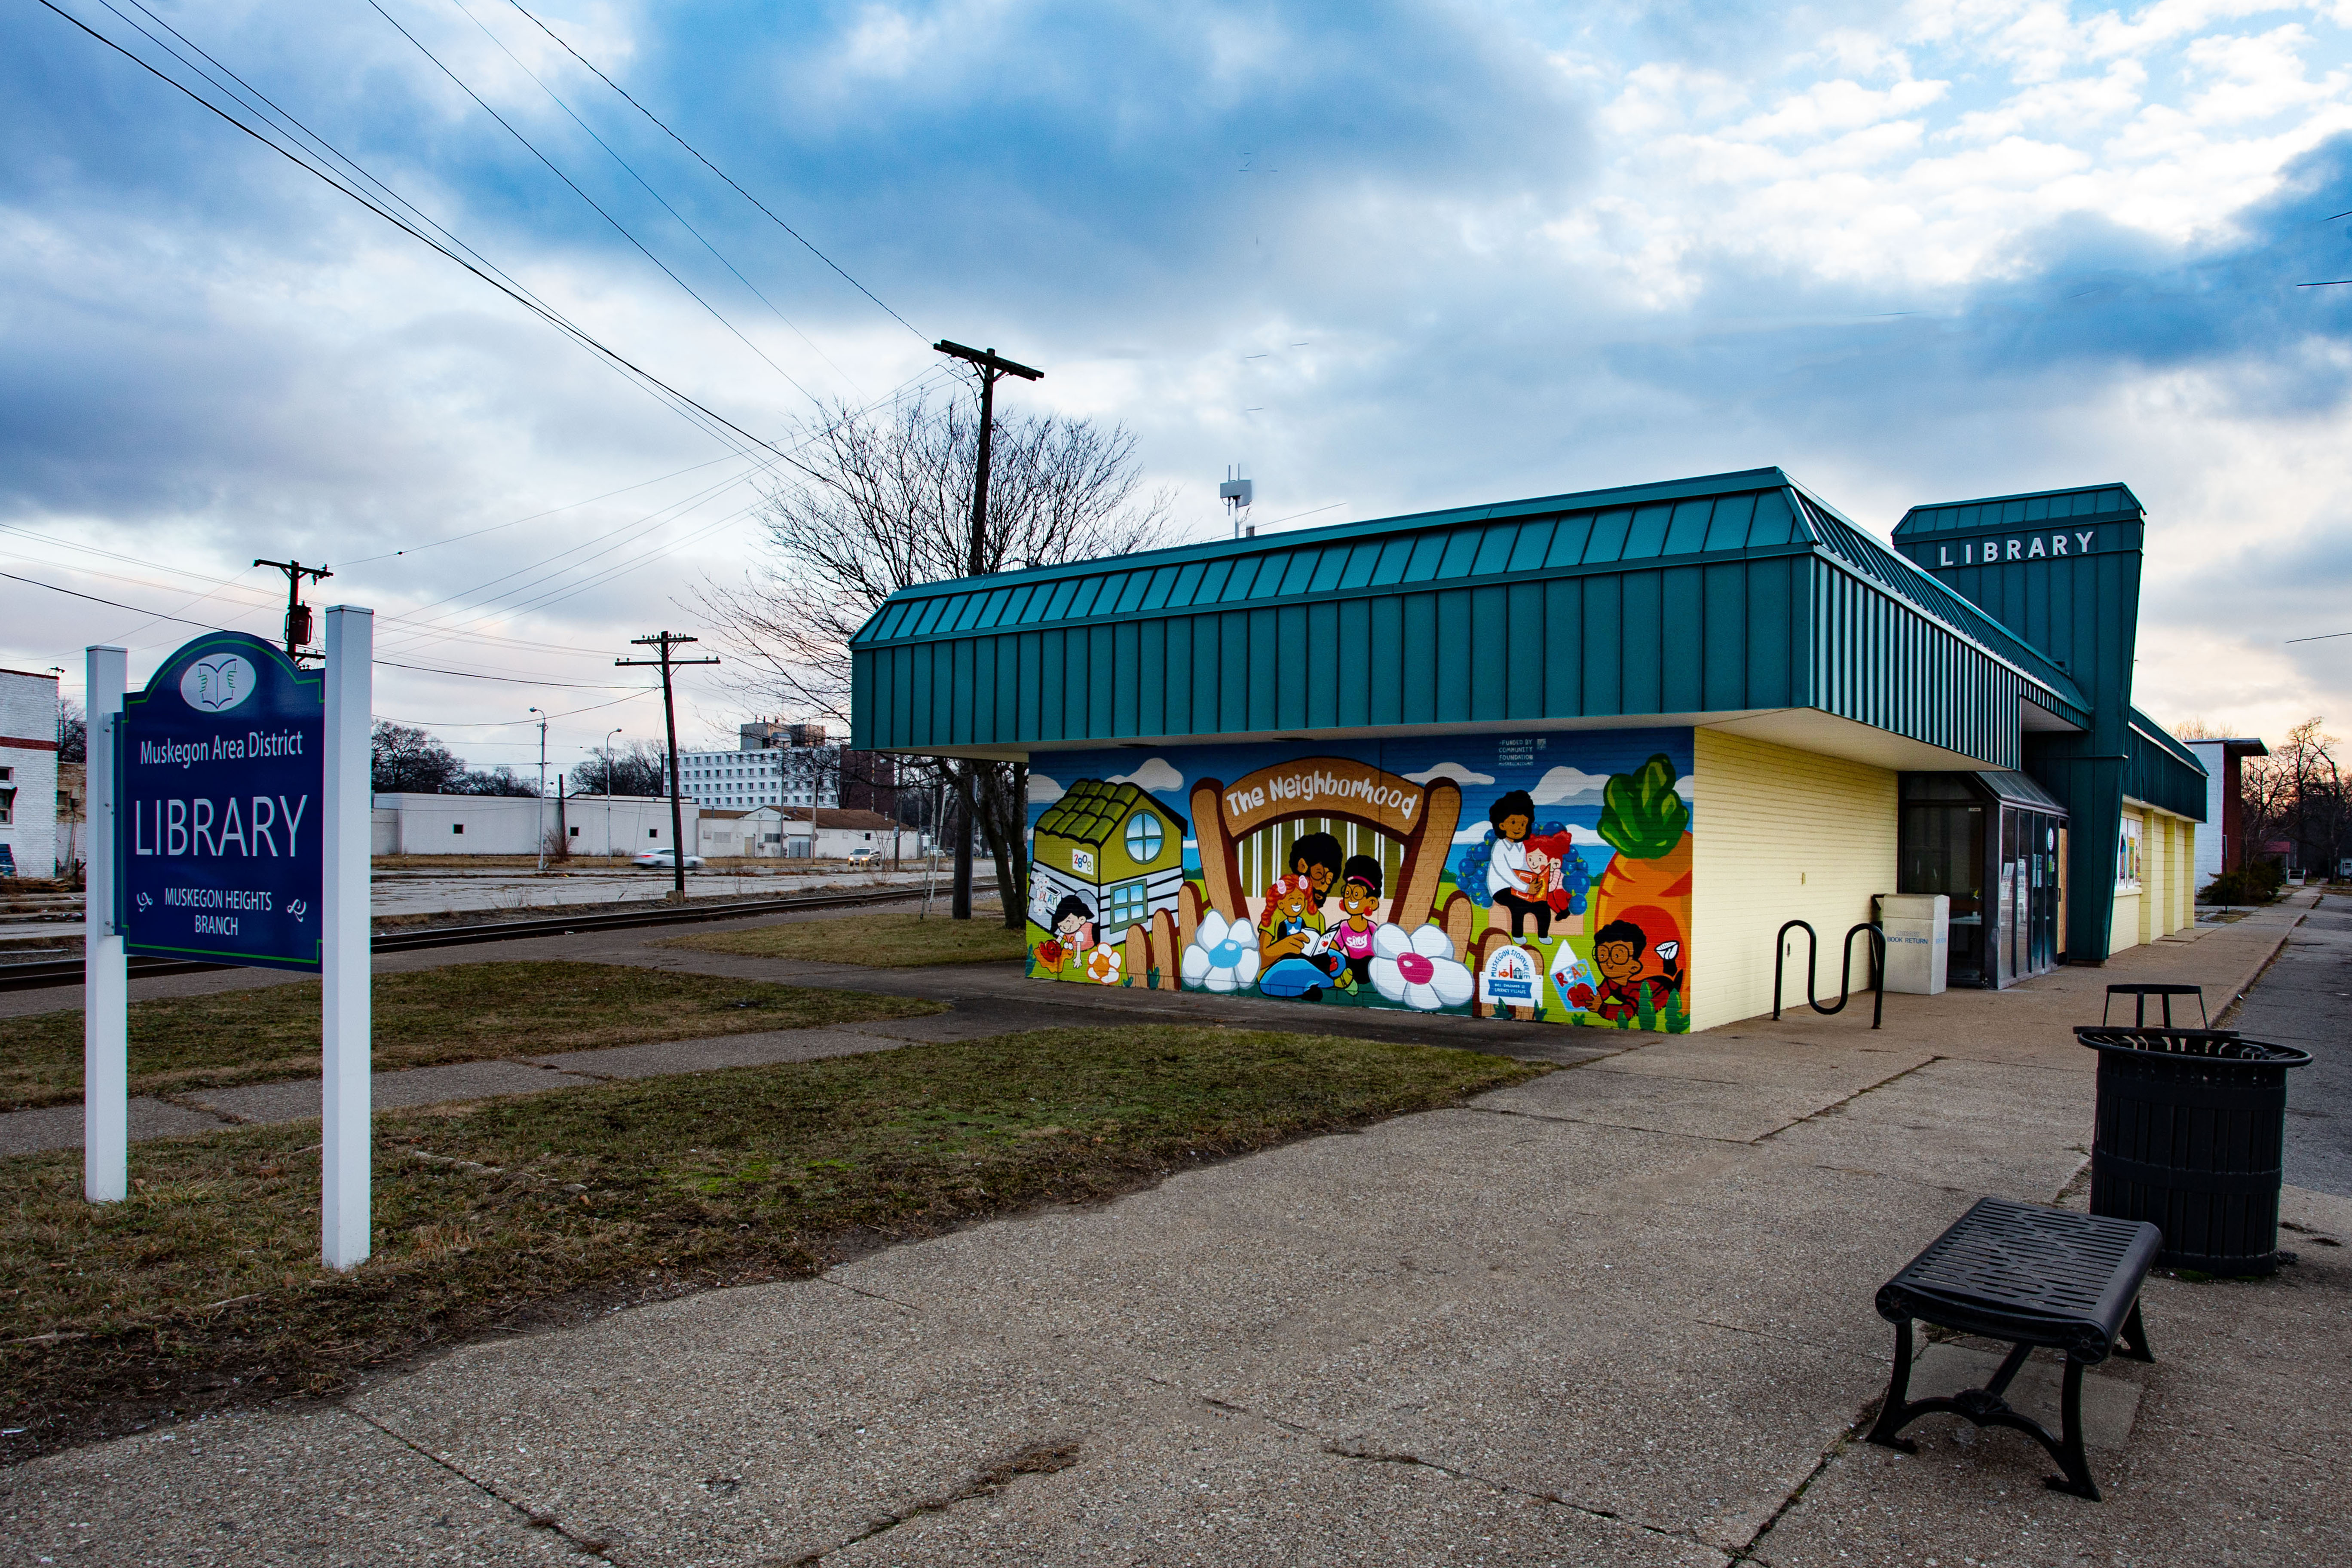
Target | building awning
(2012,788)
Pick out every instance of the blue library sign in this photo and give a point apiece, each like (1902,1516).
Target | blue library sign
(220,774)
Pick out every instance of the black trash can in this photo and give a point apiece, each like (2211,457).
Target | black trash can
(2191,1138)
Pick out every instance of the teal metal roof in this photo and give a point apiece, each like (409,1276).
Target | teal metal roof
(2083,504)
(1726,593)
(1724,515)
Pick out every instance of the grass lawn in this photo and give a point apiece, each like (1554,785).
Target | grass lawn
(465,1011)
(891,941)
(204,1290)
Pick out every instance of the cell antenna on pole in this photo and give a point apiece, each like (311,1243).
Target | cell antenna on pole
(1237,493)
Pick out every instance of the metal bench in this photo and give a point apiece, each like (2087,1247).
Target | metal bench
(2033,1276)
(2140,994)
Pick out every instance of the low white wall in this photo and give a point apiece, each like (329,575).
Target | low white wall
(512,825)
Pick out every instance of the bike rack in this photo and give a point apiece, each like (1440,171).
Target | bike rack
(1845,969)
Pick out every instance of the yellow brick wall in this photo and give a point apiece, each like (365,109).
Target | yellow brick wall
(2123,930)
(1780,834)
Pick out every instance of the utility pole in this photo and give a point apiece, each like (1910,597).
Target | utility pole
(542,786)
(993,368)
(298,614)
(665,641)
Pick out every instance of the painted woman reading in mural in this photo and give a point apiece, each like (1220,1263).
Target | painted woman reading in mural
(1509,882)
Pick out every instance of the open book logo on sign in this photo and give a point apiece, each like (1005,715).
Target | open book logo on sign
(217,684)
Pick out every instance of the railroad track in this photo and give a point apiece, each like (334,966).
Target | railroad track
(67,971)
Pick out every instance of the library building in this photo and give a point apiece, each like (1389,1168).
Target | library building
(1576,759)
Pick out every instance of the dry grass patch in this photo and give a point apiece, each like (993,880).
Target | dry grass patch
(462,1013)
(889,941)
(203,1289)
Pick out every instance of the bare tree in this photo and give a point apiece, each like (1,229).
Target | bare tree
(2298,794)
(882,500)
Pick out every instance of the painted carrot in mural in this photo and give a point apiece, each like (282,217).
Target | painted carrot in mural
(1648,879)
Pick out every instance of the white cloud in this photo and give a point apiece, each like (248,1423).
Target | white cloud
(1044,790)
(1454,771)
(1688,788)
(1155,776)
(1567,783)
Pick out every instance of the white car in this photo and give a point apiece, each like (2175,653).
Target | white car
(664,859)
(866,859)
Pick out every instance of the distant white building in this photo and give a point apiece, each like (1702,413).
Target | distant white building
(28,774)
(515,824)
(803,834)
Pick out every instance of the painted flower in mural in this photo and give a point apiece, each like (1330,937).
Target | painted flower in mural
(1102,964)
(1223,954)
(1419,969)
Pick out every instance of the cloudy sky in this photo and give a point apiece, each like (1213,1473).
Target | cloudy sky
(1391,256)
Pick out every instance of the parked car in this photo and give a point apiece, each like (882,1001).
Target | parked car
(664,859)
(866,859)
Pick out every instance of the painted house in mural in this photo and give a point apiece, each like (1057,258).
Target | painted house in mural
(1112,847)
(1574,758)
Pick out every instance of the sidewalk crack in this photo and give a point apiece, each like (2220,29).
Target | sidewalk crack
(538,1518)
(1837,1105)
(1041,1458)
(1364,1454)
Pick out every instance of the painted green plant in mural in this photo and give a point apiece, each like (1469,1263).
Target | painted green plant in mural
(1640,814)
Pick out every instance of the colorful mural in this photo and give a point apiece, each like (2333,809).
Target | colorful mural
(1544,877)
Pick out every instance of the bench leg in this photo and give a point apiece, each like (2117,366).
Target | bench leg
(2135,1335)
(1896,1412)
(2068,1451)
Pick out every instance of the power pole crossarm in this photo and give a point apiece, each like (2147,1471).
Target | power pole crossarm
(298,614)
(666,642)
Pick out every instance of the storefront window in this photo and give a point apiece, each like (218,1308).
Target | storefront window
(2128,864)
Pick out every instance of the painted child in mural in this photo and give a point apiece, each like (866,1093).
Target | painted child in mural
(1509,882)
(1624,992)
(1351,939)
(1292,926)
(1074,932)
(1315,863)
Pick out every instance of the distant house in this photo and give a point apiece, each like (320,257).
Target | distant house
(1112,846)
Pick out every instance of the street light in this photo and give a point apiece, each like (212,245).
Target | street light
(608,761)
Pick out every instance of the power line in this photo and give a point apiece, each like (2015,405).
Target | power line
(611,153)
(534,517)
(718,425)
(395,664)
(715,169)
(618,227)
(290,124)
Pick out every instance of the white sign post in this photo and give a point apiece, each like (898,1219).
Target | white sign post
(105,968)
(346,1147)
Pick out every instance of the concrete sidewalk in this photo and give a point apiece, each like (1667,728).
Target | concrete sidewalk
(1620,1315)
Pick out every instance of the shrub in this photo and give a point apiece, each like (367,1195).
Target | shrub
(2256,884)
